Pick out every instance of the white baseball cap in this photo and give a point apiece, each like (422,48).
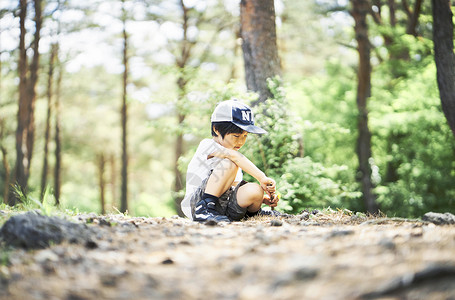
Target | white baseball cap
(237,113)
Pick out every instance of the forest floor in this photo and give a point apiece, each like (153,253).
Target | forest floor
(331,255)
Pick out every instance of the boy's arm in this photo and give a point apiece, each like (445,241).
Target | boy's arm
(267,184)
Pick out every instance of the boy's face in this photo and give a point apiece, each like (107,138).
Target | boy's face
(234,141)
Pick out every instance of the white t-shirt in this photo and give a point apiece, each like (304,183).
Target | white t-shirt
(199,169)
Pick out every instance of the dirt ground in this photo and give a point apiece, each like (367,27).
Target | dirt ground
(328,256)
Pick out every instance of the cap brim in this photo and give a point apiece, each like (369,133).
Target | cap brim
(251,128)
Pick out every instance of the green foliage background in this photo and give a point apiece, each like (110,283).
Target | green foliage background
(310,148)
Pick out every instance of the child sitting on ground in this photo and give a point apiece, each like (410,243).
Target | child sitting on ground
(215,190)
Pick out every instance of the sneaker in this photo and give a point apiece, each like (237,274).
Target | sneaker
(205,211)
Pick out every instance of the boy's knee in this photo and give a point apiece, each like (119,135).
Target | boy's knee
(250,193)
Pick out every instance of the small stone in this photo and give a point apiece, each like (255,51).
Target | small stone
(387,244)
(305,273)
(343,232)
(276,222)
(304,216)
(238,269)
(211,223)
(167,261)
(46,255)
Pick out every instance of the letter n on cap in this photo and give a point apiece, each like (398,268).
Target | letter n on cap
(246,115)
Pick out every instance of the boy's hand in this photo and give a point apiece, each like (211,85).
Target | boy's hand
(272,202)
(268,185)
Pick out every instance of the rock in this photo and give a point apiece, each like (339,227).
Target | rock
(340,232)
(315,212)
(304,216)
(387,243)
(305,273)
(211,223)
(238,269)
(431,274)
(46,255)
(167,261)
(439,219)
(276,222)
(34,231)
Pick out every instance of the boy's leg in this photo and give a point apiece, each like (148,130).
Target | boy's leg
(250,196)
(222,178)
(245,200)
(219,182)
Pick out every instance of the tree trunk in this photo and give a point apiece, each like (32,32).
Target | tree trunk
(5,163)
(393,18)
(444,57)
(113,181)
(181,63)
(178,181)
(101,182)
(58,146)
(413,18)
(20,176)
(7,174)
(25,132)
(124,113)
(359,13)
(31,85)
(48,120)
(260,52)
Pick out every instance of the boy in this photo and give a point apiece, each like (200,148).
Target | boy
(215,190)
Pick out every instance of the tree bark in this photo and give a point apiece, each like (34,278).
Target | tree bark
(21,150)
(444,57)
(25,132)
(5,163)
(31,85)
(413,21)
(124,113)
(58,143)
(7,174)
(101,182)
(360,9)
(48,120)
(178,181)
(260,52)
(113,179)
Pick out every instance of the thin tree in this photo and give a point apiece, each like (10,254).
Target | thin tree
(5,162)
(444,57)
(187,58)
(260,52)
(360,8)
(182,81)
(101,181)
(113,179)
(48,119)
(57,137)
(124,114)
(32,81)
(20,175)
(25,132)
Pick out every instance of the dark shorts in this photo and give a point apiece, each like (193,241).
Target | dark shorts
(227,204)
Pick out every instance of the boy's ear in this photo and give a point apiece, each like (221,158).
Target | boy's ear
(216,131)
